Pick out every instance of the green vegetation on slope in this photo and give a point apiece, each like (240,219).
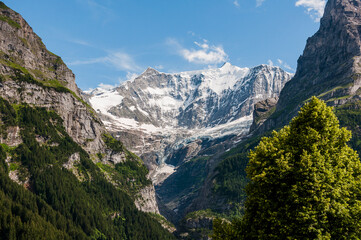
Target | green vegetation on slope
(8,20)
(57,205)
(305,183)
(350,117)
(231,177)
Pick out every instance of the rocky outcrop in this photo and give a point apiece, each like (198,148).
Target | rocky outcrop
(262,110)
(146,201)
(20,47)
(83,126)
(330,66)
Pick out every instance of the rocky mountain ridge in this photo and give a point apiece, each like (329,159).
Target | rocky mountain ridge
(330,65)
(164,112)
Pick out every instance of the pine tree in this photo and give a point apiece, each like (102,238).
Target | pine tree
(305,182)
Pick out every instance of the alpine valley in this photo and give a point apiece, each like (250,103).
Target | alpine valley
(69,165)
(194,130)
(177,122)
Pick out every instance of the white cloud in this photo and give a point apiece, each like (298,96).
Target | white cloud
(259,3)
(160,67)
(80,42)
(283,64)
(236,3)
(122,61)
(106,86)
(99,10)
(129,77)
(119,60)
(314,8)
(204,54)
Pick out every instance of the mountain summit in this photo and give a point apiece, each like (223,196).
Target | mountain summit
(330,66)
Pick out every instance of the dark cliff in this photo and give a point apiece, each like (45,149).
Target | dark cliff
(329,67)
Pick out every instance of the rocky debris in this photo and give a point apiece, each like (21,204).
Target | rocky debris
(330,66)
(14,176)
(114,157)
(13,138)
(196,228)
(147,202)
(200,222)
(73,160)
(71,165)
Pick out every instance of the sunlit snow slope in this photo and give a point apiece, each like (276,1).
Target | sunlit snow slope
(157,113)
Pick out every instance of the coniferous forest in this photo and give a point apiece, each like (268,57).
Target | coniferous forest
(58,205)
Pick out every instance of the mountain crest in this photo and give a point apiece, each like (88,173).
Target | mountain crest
(149,71)
(330,66)
(21,49)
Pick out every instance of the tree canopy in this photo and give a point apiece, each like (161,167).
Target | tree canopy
(305,182)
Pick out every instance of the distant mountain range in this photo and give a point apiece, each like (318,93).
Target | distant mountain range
(164,111)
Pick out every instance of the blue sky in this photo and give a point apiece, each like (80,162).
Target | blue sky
(109,41)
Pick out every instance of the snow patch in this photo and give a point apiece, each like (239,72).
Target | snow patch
(104,99)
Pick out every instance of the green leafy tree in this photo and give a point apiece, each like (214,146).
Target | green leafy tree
(305,182)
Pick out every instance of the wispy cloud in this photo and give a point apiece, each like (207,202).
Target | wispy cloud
(98,10)
(204,54)
(236,3)
(119,60)
(259,3)
(160,67)
(284,65)
(129,77)
(314,8)
(80,42)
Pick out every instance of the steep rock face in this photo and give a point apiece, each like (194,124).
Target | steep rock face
(330,65)
(162,113)
(18,43)
(198,98)
(262,110)
(31,74)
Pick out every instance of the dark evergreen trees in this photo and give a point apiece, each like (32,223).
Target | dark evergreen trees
(57,205)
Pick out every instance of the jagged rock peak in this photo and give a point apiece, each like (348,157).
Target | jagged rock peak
(22,47)
(149,71)
(336,42)
(226,65)
(330,65)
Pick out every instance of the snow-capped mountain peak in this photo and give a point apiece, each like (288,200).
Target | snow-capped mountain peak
(179,108)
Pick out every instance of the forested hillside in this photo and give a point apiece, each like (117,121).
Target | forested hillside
(62,176)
